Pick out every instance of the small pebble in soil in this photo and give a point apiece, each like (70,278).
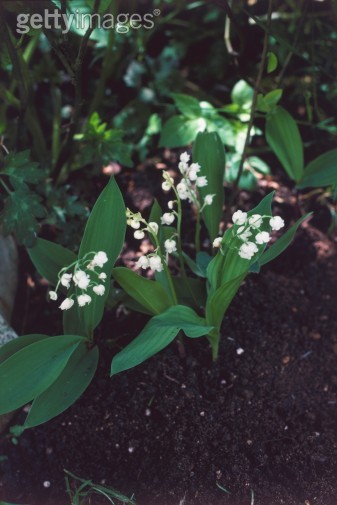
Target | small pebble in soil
(147,412)
(46,483)
(202,413)
(239,351)
(131,450)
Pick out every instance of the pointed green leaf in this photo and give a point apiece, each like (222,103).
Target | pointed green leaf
(49,258)
(187,105)
(17,344)
(67,388)
(208,151)
(159,332)
(271,62)
(150,294)
(180,131)
(284,138)
(320,172)
(30,371)
(219,301)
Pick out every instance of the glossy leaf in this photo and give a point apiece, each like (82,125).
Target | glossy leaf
(320,172)
(49,258)
(209,152)
(105,231)
(187,105)
(284,138)
(67,388)
(149,294)
(180,131)
(30,371)
(159,332)
(17,344)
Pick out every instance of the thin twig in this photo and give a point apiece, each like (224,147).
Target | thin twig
(254,102)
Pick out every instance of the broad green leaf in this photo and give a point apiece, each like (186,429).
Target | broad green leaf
(179,131)
(159,332)
(105,231)
(271,62)
(150,294)
(67,388)
(49,258)
(17,344)
(30,371)
(272,98)
(194,295)
(193,266)
(320,172)
(209,152)
(282,243)
(284,138)
(242,94)
(219,301)
(187,105)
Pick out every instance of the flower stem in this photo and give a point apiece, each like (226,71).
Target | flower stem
(197,233)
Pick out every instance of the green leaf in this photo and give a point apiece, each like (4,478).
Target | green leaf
(149,294)
(271,62)
(282,243)
(15,345)
(159,332)
(49,258)
(67,388)
(187,105)
(219,301)
(184,294)
(179,131)
(30,371)
(284,138)
(209,152)
(320,172)
(105,231)
(19,167)
(242,94)
(20,214)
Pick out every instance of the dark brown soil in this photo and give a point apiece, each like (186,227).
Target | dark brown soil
(261,424)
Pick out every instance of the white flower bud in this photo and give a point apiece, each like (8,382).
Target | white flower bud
(239,217)
(83,300)
(65,280)
(170,204)
(209,199)
(53,295)
(135,224)
(217,242)
(100,259)
(170,246)
(139,234)
(255,220)
(183,167)
(67,304)
(155,263)
(262,238)
(167,218)
(142,262)
(201,181)
(102,276)
(99,290)
(166,186)
(153,227)
(276,223)
(185,157)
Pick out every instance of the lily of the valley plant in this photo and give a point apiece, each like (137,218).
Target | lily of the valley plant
(187,296)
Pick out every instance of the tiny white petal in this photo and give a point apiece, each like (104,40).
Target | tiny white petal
(153,226)
(99,290)
(139,234)
(100,259)
(276,223)
(239,217)
(65,280)
(67,304)
(167,218)
(209,199)
(217,242)
(142,262)
(166,186)
(83,300)
(239,351)
(170,204)
(201,181)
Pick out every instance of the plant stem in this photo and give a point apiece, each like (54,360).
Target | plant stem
(166,269)
(2,182)
(197,233)
(253,108)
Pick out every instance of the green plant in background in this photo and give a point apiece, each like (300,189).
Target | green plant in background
(54,371)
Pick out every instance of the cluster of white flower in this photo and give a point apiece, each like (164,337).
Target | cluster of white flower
(82,280)
(187,188)
(248,230)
